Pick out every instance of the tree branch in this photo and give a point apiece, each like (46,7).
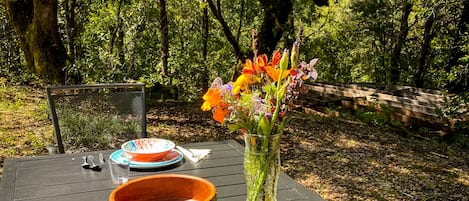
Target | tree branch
(226,30)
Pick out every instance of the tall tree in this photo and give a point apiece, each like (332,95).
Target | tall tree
(70,28)
(241,14)
(216,11)
(164,37)
(461,83)
(35,22)
(276,14)
(401,39)
(456,50)
(427,37)
(205,29)
(117,36)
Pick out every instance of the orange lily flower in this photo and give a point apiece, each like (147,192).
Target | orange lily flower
(220,112)
(261,62)
(212,98)
(275,72)
(276,58)
(257,67)
(249,67)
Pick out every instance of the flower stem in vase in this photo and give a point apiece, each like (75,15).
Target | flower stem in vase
(262,167)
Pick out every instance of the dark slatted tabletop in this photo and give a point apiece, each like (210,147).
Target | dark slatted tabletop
(61,178)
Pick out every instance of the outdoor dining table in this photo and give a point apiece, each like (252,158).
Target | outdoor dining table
(60,177)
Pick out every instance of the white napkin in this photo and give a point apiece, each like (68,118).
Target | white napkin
(195,155)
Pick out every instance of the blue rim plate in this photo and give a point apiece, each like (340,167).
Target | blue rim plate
(173,157)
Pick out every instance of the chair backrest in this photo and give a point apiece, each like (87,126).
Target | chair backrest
(97,116)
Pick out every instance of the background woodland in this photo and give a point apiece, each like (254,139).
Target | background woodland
(177,47)
(181,45)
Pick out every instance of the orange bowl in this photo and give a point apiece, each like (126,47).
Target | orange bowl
(148,149)
(171,187)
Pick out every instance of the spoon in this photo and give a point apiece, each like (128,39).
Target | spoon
(85,163)
(93,165)
(101,160)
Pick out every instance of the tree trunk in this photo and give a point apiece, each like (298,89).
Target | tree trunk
(427,37)
(461,83)
(401,39)
(216,11)
(164,36)
(120,44)
(35,22)
(276,14)
(116,30)
(204,48)
(241,16)
(456,51)
(71,29)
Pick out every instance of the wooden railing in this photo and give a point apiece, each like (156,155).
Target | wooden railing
(409,104)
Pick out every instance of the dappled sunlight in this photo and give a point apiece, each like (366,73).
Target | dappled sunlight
(184,123)
(348,143)
(345,161)
(400,169)
(308,145)
(325,188)
(463,175)
(374,163)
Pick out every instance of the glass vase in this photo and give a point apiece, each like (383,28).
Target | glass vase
(262,166)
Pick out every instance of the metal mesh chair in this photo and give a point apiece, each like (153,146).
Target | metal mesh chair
(97,116)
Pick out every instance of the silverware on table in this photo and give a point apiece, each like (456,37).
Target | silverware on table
(93,165)
(85,163)
(101,160)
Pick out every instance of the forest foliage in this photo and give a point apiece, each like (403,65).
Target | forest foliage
(387,42)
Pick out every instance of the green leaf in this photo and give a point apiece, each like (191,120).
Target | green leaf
(263,126)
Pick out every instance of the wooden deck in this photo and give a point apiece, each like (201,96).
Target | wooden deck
(61,177)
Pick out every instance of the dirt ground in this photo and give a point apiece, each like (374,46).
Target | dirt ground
(340,158)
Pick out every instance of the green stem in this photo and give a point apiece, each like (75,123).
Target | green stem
(265,160)
(259,182)
(265,144)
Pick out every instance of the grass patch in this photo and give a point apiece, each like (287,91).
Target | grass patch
(25,129)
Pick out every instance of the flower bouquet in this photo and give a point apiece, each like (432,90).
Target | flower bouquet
(256,104)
